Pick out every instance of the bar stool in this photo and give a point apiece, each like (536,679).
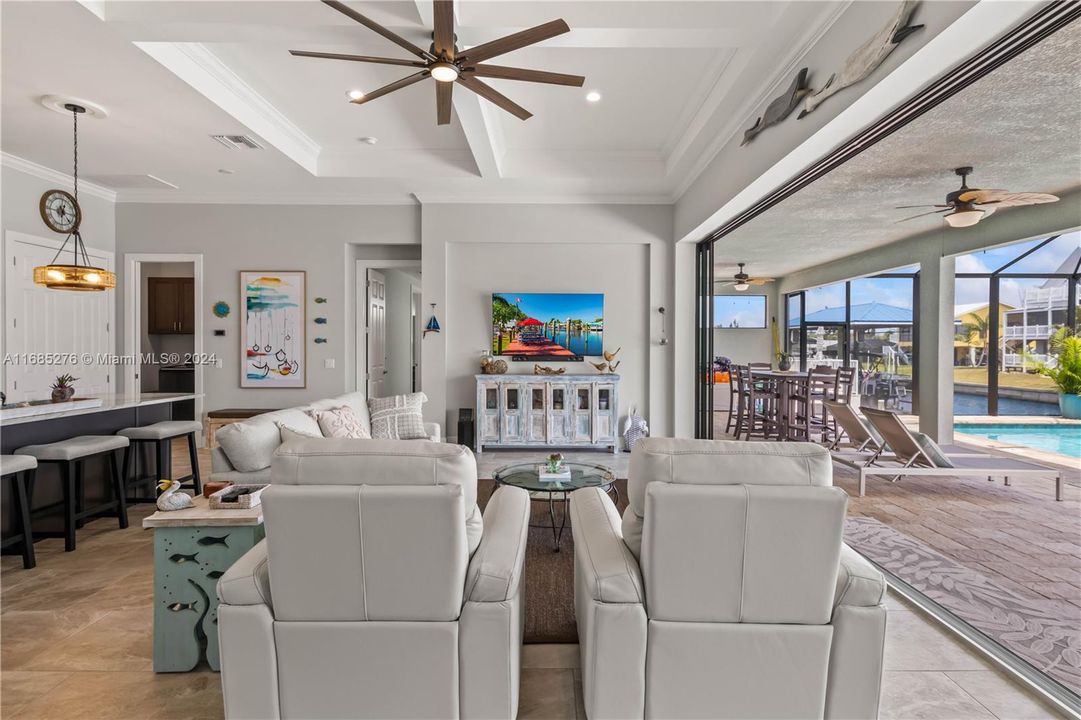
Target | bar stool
(21,469)
(161,434)
(70,455)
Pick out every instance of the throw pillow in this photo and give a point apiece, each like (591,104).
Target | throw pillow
(398,417)
(340,422)
(292,433)
(932,450)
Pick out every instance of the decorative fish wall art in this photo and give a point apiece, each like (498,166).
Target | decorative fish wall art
(781,107)
(867,57)
(320,300)
(320,321)
(320,340)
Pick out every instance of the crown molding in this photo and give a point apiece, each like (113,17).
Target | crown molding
(740,117)
(170,197)
(444,199)
(41,172)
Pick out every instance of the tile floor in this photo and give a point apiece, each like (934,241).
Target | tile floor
(75,641)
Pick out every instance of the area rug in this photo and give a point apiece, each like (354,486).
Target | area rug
(1043,633)
(549,575)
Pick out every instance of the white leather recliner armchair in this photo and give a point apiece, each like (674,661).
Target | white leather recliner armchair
(379,591)
(726,591)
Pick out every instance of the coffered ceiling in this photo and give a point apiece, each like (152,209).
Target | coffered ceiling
(672,74)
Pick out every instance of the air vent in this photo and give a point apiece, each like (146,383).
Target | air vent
(237,142)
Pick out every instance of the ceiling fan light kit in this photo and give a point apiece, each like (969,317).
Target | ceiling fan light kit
(445,64)
(967,206)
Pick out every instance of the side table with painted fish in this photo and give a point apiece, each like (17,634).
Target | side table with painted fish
(194,547)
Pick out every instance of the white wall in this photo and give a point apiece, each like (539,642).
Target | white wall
(231,238)
(747,345)
(624,251)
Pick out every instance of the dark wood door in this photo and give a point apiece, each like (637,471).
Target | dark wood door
(163,306)
(187,305)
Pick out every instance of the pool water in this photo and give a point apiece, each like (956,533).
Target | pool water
(966,404)
(1062,439)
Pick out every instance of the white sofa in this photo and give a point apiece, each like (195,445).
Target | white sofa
(725,591)
(245,449)
(379,591)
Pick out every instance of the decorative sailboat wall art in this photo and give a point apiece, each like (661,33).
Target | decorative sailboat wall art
(273,334)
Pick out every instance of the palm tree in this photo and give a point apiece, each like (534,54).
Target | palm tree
(978,329)
(503,314)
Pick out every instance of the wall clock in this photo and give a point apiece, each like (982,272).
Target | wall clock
(60,211)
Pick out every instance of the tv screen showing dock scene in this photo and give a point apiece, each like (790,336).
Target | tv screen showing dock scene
(739,311)
(548,325)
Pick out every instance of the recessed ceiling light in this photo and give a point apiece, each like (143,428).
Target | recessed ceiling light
(355,94)
(368,140)
(225,171)
(593,96)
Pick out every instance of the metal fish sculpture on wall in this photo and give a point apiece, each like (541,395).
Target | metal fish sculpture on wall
(868,56)
(781,107)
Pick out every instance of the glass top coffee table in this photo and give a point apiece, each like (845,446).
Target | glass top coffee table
(527,476)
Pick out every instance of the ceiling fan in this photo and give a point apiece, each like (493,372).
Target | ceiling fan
(741,280)
(446,64)
(967,206)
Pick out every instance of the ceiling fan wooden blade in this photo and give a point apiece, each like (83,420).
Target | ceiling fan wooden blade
(514,41)
(538,76)
(976,194)
(494,96)
(387,89)
(759,281)
(913,207)
(376,27)
(933,212)
(443,35)
(359,58)
(443,92)
(1001,198)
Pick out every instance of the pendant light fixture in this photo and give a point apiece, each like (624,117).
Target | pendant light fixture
(61,213)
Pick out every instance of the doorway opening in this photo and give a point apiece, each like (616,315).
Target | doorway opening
(163,339)
(390,322)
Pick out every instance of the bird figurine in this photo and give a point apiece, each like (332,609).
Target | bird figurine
(610,356)
(170,499)
(612,366)
(601,366)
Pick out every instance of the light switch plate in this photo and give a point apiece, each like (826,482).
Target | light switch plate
(328,364)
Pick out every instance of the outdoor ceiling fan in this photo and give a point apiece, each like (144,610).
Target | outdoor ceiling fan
(741,280)
(967,206)
(446,64)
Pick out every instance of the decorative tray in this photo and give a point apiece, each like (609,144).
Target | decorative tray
(237,497)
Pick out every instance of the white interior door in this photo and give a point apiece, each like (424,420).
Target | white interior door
(53,332)
(377,332)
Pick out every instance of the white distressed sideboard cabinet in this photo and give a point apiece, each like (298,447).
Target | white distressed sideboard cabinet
(547,410)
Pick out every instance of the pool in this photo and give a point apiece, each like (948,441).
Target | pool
(968,404)
(1062,439)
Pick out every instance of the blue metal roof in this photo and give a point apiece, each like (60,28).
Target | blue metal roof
(861,313)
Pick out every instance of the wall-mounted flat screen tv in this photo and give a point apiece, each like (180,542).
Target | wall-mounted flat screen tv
(547,326)
(739,311)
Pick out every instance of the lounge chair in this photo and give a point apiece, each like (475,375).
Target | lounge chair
(866,443)
(928,459)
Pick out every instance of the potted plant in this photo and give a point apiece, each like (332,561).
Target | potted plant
(1066,374)
(63,388)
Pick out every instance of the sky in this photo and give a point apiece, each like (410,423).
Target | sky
(745,310)
(545,306)
(898,292)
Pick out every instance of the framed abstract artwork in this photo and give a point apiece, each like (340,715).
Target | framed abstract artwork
(272,330)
